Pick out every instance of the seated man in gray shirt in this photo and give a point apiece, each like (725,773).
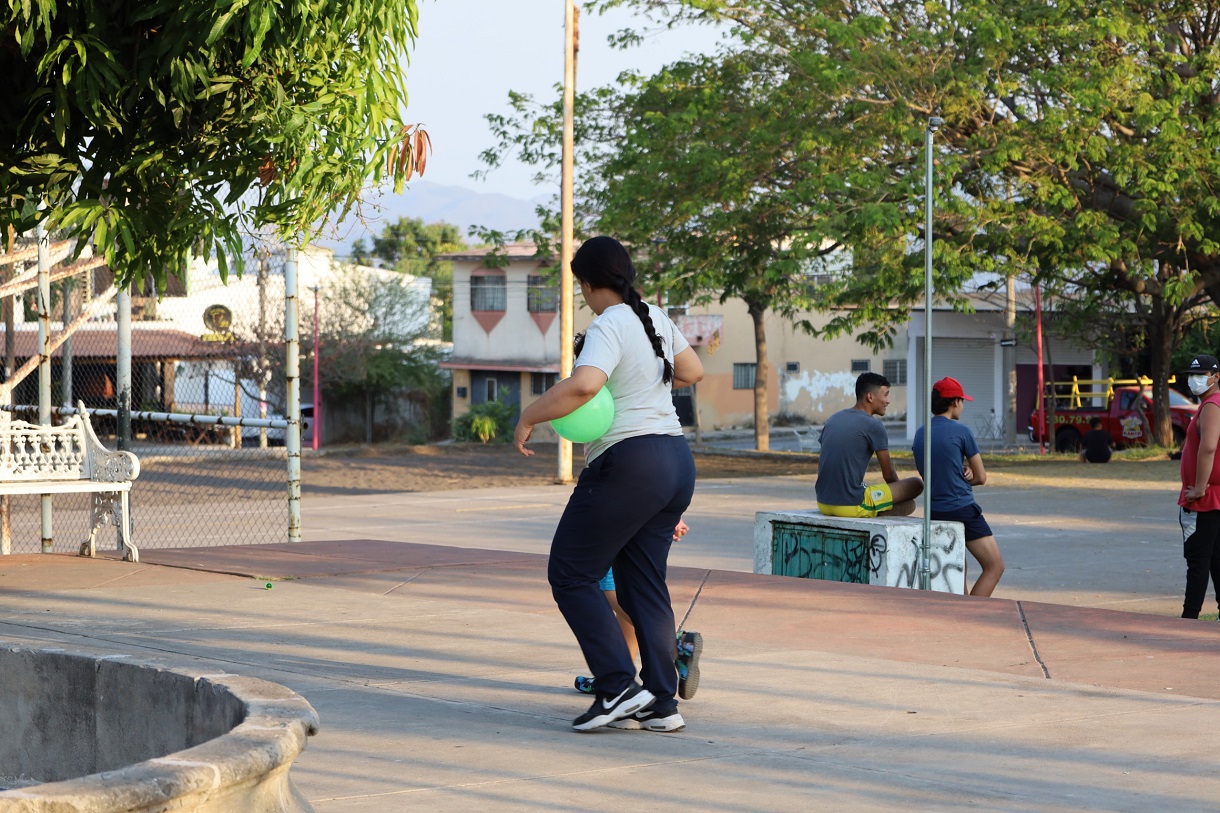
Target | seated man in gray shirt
(849,440)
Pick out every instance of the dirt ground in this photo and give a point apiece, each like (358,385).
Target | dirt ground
(465,465)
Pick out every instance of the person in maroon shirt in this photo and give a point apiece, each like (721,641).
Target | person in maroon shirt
(1200,496)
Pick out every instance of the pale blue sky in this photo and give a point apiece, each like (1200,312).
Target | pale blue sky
(470,53)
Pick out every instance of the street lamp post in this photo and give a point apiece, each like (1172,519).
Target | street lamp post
(934,123)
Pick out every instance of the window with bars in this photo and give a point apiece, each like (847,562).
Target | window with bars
(792,367)
(542,294)
(895,371)
(491,391)
(541,382)
(860,366)
(743,376)
(487,292)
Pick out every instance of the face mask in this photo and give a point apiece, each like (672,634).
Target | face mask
(1198,384)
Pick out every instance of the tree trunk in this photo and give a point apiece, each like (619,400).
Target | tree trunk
(1163,330)
(762,420)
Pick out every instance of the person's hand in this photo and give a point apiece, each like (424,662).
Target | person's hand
(680,530)
(1196,492)
(968,473)
(521,435)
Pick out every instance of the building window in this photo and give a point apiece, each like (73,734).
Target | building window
(541,382)
(792,367)
(859,366)
(487,292)
(677,310)
(895,372)
(542,296)
(743,376)
(492,391)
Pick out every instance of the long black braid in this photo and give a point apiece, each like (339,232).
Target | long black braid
(603,262)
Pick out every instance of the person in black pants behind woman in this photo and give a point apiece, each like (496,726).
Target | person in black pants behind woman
(637,482)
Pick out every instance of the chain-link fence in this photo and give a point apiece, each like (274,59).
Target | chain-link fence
(203,348)
(210,347)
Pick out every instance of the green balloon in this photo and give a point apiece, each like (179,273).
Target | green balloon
(589,421)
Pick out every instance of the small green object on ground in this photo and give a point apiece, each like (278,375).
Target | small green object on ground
(268,585)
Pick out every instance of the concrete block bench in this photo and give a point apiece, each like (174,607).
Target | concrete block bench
(69,459)
(882,551)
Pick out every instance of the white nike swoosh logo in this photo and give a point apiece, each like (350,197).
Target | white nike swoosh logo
(610,705)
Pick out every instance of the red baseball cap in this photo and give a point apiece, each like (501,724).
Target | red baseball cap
(950,388)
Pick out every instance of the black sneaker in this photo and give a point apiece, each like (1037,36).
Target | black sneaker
(649,720)
(690,646)
(608,708)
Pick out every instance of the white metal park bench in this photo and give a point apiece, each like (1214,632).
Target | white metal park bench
(69,459)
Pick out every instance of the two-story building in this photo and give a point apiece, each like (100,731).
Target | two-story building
(505,326)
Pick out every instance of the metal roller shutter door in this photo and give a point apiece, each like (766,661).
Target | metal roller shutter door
(972,362)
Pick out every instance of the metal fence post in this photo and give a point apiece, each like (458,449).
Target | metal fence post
(44,369)
(65,373)
(292,367)
(123,371)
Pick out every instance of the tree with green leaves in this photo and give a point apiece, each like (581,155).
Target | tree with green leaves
(694,168)
(166,129)
(374,335)
(1078,150)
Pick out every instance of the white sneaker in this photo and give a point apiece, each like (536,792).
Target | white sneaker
(606,708)
(649,720)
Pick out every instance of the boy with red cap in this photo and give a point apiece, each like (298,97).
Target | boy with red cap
(957,466)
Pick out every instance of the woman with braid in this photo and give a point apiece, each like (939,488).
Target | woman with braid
(637,482)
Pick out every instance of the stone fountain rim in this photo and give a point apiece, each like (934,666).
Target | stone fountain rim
(275,726)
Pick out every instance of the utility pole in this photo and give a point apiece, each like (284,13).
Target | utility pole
(563,473)
(1010,360)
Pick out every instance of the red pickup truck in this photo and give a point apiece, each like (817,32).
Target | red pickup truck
(1122,418)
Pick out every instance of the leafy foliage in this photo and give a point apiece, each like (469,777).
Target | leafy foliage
(373,330)
(411,246)
(143,125)
(1079,151)
(487,421)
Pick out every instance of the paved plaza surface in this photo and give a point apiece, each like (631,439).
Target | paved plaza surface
(421,628)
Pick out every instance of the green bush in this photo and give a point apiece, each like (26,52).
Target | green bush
(487,421)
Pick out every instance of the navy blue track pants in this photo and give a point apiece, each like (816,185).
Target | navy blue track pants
(622,513)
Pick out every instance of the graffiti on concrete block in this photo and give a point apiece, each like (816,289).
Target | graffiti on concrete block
(942,563)
(831,554)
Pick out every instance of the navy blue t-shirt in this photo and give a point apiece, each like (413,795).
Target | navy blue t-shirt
(952,444)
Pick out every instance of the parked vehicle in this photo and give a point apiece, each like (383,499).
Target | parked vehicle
(278,437)
(1125,412)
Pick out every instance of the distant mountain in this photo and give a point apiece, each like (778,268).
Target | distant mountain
(434,202)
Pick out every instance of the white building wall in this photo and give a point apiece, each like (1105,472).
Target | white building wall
(517,335)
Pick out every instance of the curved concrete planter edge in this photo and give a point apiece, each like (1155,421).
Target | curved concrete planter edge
(242,769)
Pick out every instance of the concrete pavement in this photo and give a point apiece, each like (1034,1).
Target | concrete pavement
(442,674)
(1104,542)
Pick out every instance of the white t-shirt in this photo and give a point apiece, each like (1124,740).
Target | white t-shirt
(617,344)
